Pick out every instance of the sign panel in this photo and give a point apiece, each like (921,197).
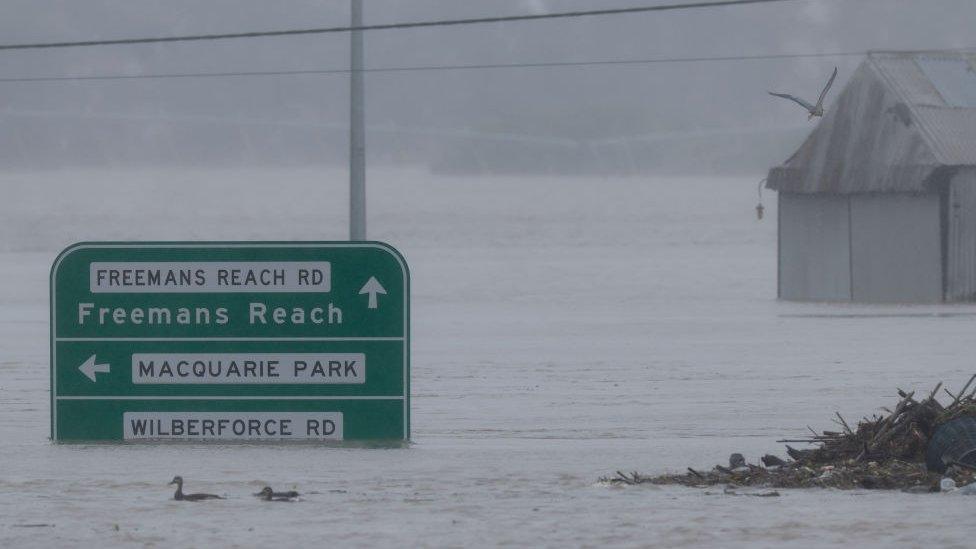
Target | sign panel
(230,341)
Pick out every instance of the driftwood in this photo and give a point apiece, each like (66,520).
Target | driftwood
(884,451)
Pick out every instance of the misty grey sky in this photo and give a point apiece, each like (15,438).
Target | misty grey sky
(604,101)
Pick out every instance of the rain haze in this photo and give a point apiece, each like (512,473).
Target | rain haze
(447,119)
(591,288)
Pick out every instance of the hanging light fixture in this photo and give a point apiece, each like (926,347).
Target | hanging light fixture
(759,207)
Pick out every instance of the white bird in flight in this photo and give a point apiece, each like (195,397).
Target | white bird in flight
(814,110)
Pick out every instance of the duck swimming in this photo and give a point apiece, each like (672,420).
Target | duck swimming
(180,496)
(267,494)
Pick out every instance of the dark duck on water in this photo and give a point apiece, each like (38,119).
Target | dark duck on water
(180,496)
(267,494)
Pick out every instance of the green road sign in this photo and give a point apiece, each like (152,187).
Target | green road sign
(230,341)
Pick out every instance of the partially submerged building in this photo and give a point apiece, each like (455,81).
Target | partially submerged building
(879,203)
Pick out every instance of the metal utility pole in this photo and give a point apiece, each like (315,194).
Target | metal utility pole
(357,129)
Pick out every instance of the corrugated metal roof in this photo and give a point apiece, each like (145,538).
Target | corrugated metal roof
(953,78)
(906,77)
(901,117)
(941,92)
(953,134)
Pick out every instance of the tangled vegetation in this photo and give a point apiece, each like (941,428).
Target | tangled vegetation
(886,451)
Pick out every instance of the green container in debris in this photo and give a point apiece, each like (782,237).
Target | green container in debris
(953,442)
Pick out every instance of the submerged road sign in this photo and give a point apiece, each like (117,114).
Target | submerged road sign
(230,341)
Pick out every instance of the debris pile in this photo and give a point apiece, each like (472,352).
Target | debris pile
(882,452)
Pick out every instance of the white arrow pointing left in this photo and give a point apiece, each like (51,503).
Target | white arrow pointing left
(89,368)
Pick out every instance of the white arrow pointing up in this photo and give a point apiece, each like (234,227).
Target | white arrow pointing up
(89,368)
(372,287)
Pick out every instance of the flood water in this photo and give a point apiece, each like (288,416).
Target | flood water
(563,328)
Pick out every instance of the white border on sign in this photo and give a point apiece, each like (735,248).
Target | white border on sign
(404,271)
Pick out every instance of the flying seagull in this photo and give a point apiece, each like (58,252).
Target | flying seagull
(814,110)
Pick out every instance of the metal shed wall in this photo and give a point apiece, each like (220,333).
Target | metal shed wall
(870,248)
(896,248)
(961,238)
(814,247)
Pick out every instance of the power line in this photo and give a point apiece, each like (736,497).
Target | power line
(389,26)
(554,64)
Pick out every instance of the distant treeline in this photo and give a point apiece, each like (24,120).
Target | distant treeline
(52,140)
